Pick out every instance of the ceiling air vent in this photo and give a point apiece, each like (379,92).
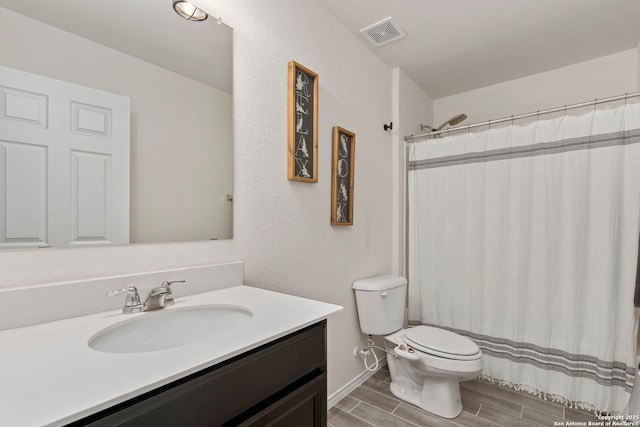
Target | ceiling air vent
(383,32)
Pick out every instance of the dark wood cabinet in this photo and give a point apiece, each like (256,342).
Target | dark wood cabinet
(282,383)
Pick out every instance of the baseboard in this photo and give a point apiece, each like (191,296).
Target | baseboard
(352,385)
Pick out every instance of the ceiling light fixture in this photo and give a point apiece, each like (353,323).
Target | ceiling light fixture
(189,11)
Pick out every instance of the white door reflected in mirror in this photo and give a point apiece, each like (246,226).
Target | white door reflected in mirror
(64,149)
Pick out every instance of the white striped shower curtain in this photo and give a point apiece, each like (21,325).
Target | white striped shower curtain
(525,238)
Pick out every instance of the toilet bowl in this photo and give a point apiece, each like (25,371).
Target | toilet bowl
(426,363)
(427,374)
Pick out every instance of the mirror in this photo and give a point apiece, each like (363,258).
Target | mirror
(178,76)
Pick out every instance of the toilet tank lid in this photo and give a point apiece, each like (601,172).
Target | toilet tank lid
(379,283)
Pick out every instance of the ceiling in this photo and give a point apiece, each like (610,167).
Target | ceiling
(454,46)
(199,50)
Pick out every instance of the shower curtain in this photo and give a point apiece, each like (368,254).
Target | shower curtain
(525,239)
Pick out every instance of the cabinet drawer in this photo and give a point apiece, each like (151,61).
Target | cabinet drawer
(304,407)
(225,391)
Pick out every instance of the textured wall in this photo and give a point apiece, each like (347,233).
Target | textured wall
(599,78)
(282,227)
(411,107)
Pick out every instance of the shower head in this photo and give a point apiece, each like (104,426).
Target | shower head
(452,122)
(457,119)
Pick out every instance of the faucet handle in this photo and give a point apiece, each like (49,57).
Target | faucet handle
(168,299)
(132,302)
(167,284)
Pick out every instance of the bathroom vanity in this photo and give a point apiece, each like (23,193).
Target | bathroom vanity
(266,365)
(280,383)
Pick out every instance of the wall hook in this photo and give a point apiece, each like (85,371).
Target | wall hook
(388,126)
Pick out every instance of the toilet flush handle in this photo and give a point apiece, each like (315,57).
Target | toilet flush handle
(384,294)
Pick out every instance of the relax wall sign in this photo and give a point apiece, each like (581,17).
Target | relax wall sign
(303,123)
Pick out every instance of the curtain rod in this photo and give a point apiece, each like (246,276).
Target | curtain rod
(422,136)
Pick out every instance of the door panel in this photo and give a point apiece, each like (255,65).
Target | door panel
(83,136)
(90,197)
(23,194)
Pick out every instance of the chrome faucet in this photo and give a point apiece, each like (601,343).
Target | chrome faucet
(132,302)
(158,297)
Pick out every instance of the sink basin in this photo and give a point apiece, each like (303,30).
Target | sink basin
(170,328)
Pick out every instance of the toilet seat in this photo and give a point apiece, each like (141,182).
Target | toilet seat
(441,343)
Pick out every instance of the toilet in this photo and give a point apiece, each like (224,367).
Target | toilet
(426,363)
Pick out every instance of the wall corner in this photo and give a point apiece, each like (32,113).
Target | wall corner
(638,66)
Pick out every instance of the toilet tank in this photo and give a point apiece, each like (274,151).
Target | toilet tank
(381,302)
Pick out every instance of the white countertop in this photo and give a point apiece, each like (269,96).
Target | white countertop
(49,376)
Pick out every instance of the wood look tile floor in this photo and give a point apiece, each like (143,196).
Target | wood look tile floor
(485,405)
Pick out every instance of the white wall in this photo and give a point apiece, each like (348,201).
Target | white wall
(599,78)
(411,107)
(281,228)
(172,117)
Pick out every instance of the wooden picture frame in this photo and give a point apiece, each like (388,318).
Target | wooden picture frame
(342,173)
(303,124)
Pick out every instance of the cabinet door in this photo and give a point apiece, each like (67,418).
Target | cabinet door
(304,407)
